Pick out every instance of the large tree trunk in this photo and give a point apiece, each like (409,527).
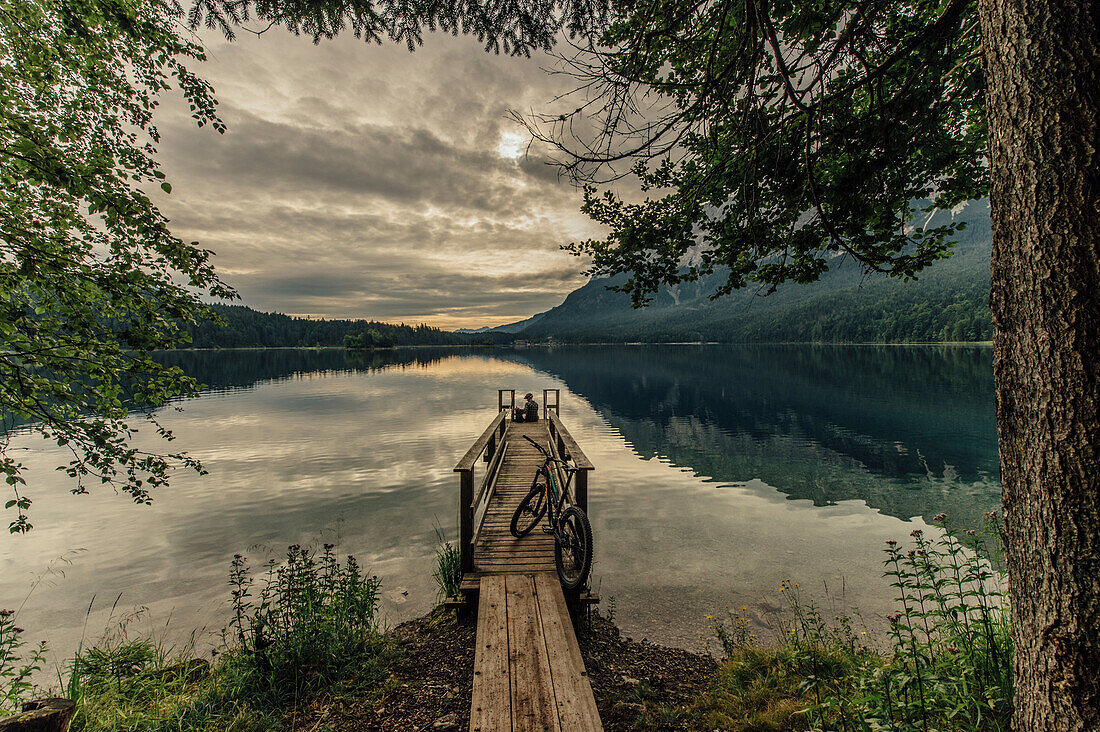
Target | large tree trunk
(1042,64)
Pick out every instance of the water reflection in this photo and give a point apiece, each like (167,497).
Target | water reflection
(908,430)
(720,472)
(226,370)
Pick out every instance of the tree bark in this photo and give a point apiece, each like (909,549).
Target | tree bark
(1042,64)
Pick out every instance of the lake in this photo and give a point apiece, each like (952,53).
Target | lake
(720,472)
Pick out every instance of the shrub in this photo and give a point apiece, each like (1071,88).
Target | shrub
(311,626)
(305,629)
(15,671)
(949,667)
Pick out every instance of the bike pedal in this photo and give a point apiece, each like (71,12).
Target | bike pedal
(547,529)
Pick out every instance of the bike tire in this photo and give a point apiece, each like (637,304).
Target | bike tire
(534,506)
(574,529)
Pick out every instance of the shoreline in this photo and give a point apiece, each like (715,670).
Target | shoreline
(862,344)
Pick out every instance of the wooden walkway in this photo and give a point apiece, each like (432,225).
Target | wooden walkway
(528,670)
(496,550)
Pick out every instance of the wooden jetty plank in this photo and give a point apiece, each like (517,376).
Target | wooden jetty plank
(576,703)
(533,705)
(492,696)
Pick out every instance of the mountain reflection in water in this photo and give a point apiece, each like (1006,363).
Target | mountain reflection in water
(911,431)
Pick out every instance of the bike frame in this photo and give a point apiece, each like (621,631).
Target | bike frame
(556,496)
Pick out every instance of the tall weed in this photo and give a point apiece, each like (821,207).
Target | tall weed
(448,567)
(307,624)
(301,630)
(15,670)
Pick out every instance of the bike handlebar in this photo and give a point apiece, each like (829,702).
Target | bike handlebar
(538,446)
(546,454)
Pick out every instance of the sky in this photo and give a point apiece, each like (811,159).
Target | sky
(362,181)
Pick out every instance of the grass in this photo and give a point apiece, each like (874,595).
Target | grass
(448,567)
(948,667)
(302,633)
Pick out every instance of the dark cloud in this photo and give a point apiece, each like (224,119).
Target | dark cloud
(362,181)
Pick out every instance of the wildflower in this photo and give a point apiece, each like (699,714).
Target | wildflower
(941,517)
(916,533)
(863,632)
(782,588)
(6,613)
(891,542)
(744,608)
(17,630)
(970,532)
(894,618)
(952,649)
(992,515)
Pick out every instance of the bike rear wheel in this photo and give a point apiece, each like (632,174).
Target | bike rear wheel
(573,548)
(530,510)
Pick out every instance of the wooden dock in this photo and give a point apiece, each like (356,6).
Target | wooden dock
(528,670)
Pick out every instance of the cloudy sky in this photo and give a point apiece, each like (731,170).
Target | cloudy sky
(362,181)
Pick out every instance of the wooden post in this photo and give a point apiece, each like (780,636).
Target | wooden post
(491,448)
(580,490)
(466,520)
(43,715)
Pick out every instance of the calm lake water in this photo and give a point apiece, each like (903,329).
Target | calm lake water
(720,472)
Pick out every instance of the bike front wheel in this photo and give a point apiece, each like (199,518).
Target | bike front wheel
(529,511)
(573,548)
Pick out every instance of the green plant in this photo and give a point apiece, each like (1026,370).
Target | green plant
(15,671)
(311,626)
(951,666)
(124,684)
(92,281)
(448,567)
(306,628)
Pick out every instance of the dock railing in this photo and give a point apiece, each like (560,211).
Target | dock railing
(491,445)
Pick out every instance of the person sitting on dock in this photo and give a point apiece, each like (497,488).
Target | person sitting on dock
(529,412)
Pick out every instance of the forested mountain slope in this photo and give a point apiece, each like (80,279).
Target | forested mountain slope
(949,302)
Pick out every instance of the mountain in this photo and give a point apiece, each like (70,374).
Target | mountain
(515,327)
(519,325)
(948,302)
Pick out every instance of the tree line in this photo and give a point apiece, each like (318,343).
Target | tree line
(243,327)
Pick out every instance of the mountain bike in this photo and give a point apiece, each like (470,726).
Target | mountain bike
(567,522)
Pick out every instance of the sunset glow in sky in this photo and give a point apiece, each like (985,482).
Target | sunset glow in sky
(362,181)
